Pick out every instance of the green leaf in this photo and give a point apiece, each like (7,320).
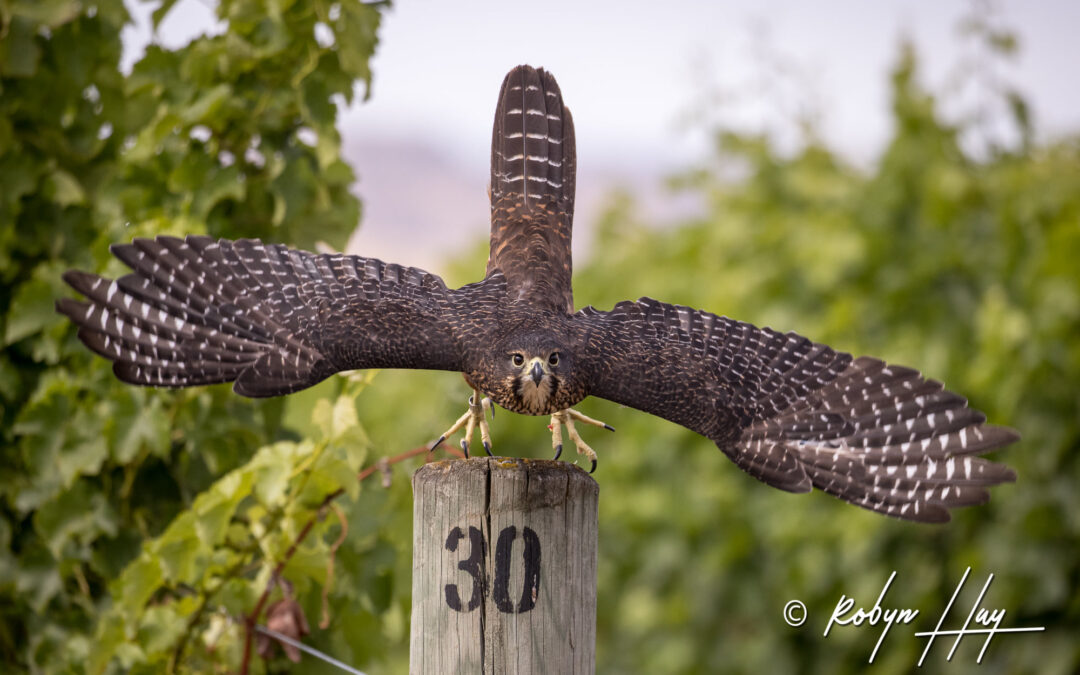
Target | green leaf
(356,36)
(136,422)
(327,147)
(344,418)
(19,174)
(52,13)
(85,457)
(215,507)
(19,51)
(57,443)
(149,141)
(179,550)
(328,474)
(81,514)
(108,639)
(37,580)
(206,107)
(322,417)
(273,467)
(309,564)
(32,310)
(160,628)
(137,584)
(224,183)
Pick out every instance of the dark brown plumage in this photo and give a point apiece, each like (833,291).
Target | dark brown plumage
(792,413)
(532,190)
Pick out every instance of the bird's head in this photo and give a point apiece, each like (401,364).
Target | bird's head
(534,372)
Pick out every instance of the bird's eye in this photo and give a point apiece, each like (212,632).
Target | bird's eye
(518,360)
(554,359)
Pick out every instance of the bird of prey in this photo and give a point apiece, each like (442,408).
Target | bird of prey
(791,412)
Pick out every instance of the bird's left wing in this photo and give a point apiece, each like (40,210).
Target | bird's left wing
(272,319)
(794,413)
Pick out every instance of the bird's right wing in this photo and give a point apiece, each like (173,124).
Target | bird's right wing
(794,413)
(272,319)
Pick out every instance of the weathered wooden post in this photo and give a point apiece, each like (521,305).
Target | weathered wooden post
(504,567)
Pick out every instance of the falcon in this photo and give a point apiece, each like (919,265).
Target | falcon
(791,412)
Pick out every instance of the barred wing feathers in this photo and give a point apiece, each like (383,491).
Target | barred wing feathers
(272,319)
(532,189)
(796,414)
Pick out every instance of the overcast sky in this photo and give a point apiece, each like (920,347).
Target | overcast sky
(634,72)
(631,71)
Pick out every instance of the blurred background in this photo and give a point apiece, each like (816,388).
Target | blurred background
(648,88)
(899,179)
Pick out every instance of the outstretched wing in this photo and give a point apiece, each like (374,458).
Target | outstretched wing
(273,319)
(794,413)
(532,190)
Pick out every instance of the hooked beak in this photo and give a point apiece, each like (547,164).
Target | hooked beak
(537,373)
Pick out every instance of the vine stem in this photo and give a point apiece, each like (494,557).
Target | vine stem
(251,619)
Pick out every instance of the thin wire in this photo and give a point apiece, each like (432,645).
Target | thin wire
(310,650)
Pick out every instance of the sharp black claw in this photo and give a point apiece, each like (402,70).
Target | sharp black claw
(492,406)
(593,466)
(436,443)
(487,449)
(609,427)
(558,451)
(465,448)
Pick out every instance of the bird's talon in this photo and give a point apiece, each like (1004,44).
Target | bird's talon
(566,418)
(437,443)
(474,417)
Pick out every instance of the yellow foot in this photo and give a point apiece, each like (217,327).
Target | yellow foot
(566,418)
(473,417)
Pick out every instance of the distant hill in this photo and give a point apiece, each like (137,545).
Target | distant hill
(422,204)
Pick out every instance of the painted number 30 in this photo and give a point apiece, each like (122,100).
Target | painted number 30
(474,566)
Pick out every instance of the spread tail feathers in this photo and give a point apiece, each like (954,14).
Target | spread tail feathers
(532,145)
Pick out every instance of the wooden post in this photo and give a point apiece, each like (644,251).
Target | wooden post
(504,567)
